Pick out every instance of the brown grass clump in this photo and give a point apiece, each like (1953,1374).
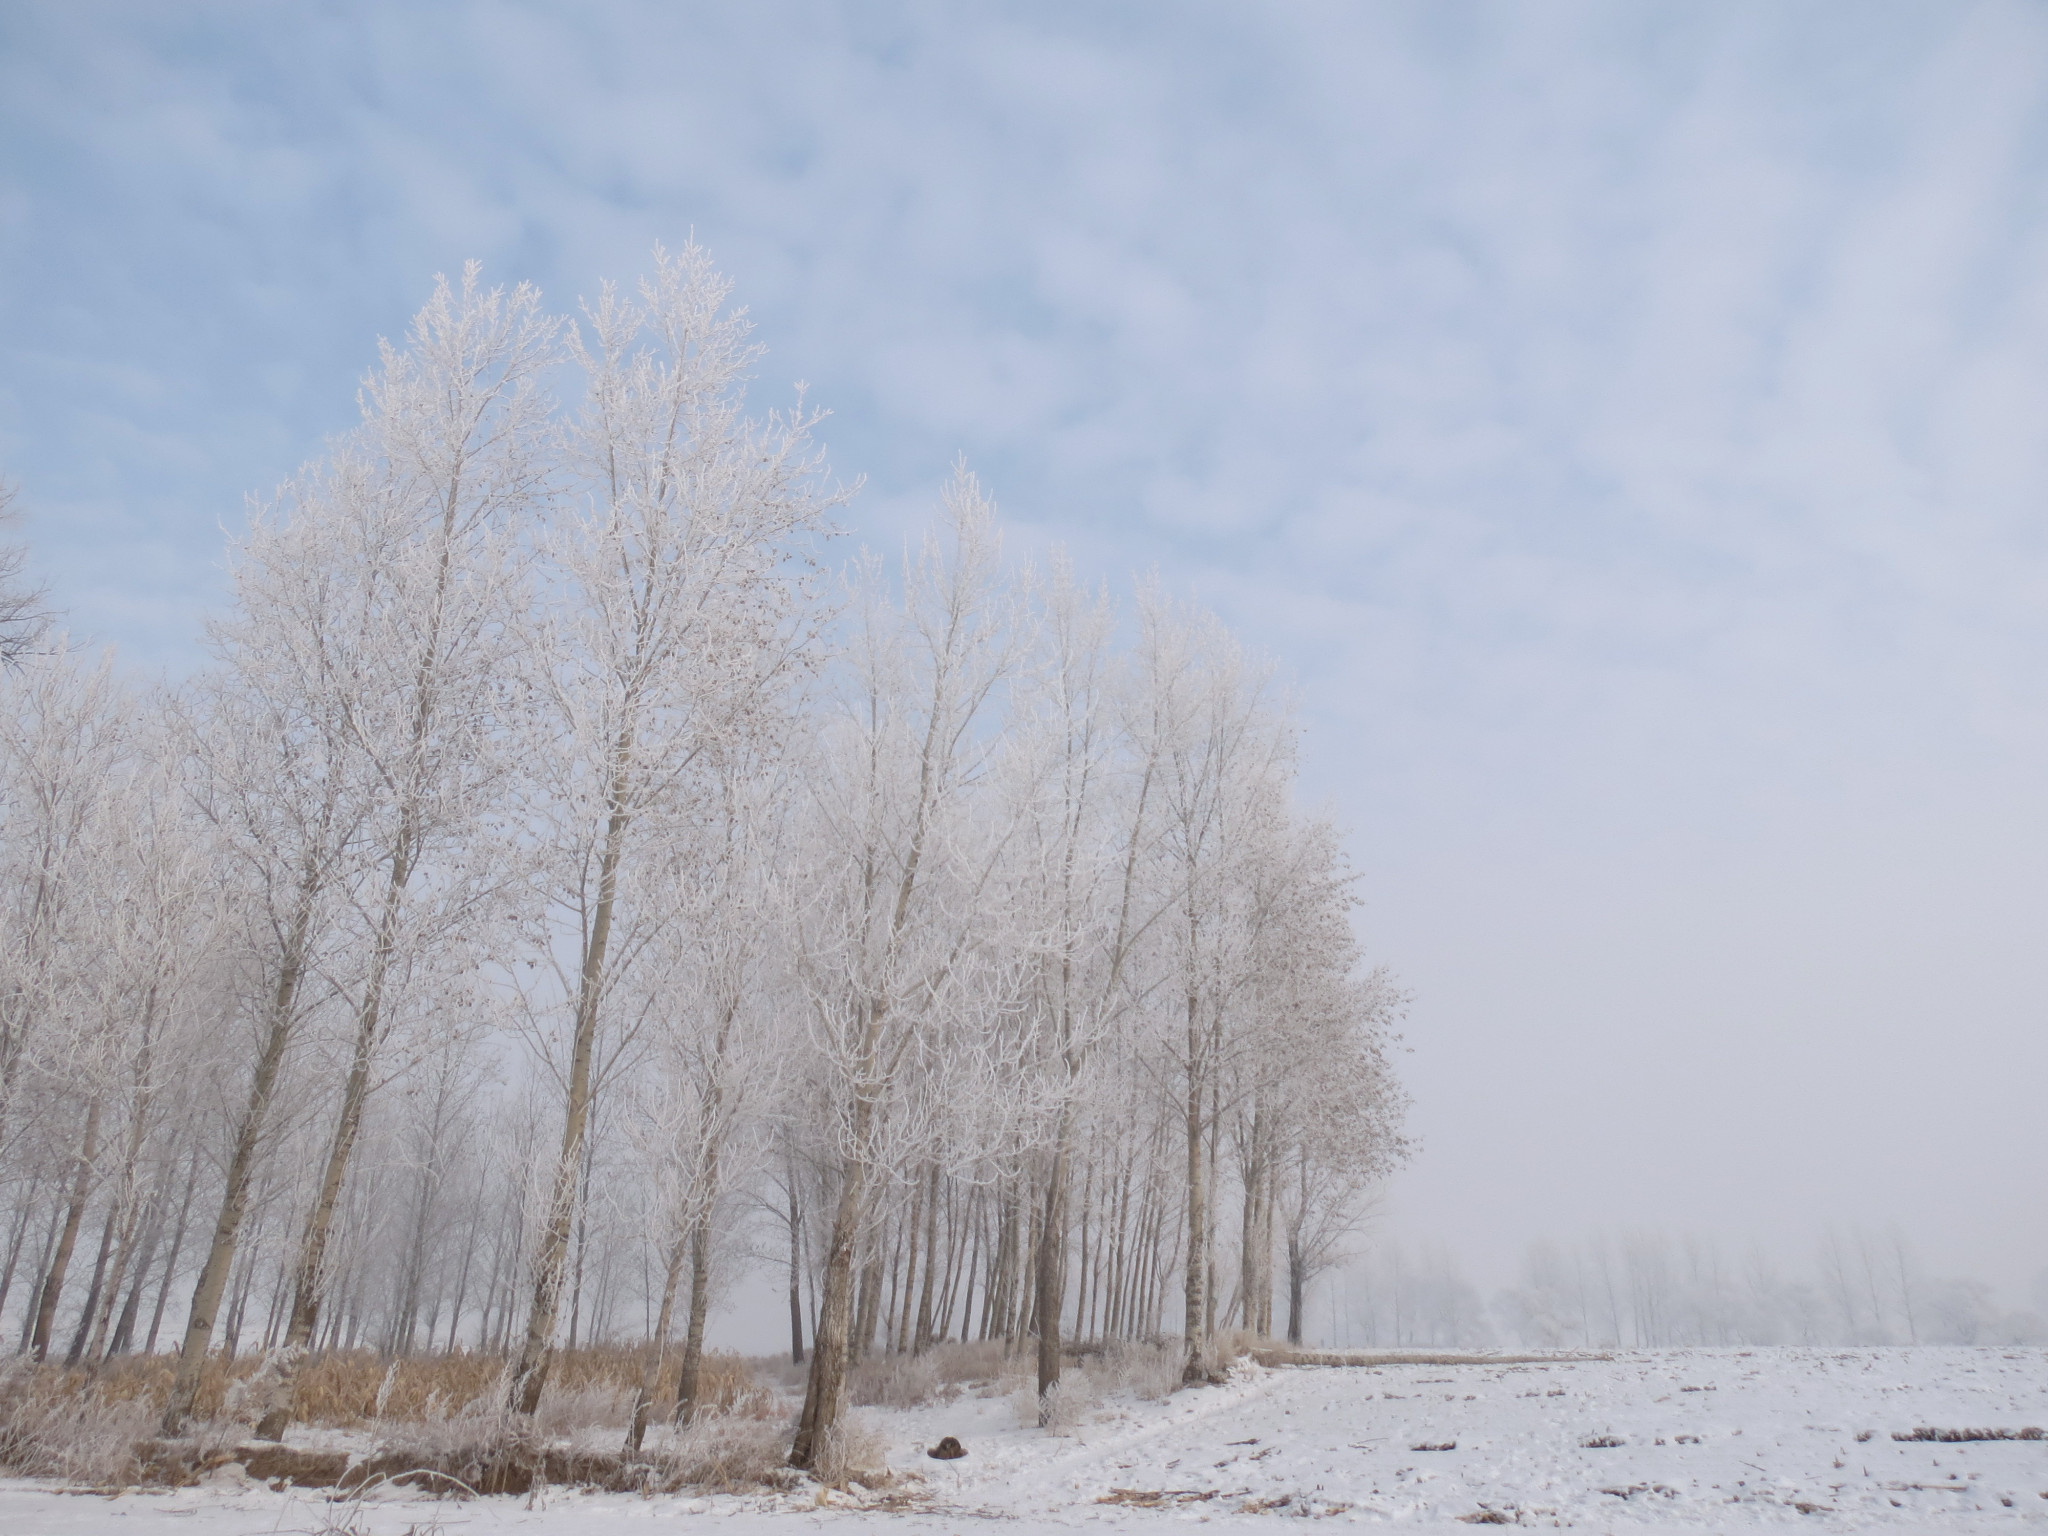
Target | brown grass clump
(147,1378)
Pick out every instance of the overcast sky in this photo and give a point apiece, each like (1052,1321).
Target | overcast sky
(1627,424)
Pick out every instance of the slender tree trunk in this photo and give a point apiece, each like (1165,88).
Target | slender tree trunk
(907,1244)
(220,1253)
(796,1275)
(1297,1287)
(307,1274)
(1081,1270)
(551,1261)
(34,1308)
(825,1392)
(134,1218)
(922,1341)
(19,1234)
(67,1240)
(238,1311)
(94,1290)
(689,1382)
(870,1304)
(1269,1202)
(1051,1276)
(1209,1285)
(1194,1339)
(163,1295)
(657,1350)
(461,1283)
(124,1325)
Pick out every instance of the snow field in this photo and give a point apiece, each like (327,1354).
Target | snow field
(1707,1440)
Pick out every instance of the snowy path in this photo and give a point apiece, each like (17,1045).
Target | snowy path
(1709,1440)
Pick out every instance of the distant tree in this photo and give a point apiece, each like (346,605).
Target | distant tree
(24,618)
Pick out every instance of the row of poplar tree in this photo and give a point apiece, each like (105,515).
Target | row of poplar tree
(566,891)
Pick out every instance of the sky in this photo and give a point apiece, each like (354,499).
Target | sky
(1623,424)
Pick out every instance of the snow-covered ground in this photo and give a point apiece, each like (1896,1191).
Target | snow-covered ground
(1709,1439)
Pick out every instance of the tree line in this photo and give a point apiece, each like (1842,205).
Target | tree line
(1642,1288)
(566,891)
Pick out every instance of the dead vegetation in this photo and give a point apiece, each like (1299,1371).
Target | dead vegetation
(439,1423)
(436,1421)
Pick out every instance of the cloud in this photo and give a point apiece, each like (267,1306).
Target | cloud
(1623,420)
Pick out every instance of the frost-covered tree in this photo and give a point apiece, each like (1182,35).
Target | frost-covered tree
(24,612)
(557,885)
(676,614)
(896,869)
(410,551)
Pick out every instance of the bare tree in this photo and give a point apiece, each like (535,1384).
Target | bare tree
(963,940)
(680,611)
(711,987)
(896,871)
(280,780)
(25,616)
(416,552)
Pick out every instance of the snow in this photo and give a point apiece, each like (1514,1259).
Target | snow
(1709,1440)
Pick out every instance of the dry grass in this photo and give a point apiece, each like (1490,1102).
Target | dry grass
(725,1453)
(1068,1402)
(1147,1370)
(53,1425)
(444,1416)
(852,1452)
(894,1381)
(439,1411)
(972,1360)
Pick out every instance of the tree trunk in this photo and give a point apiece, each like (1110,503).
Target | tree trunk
(1195,1341)
(922,1340)
(1297,1287)
(870,1304)
(796,1275)
(657,1350)
(163,1295)
(124,1325)
(307,1276)
(825,1392)
(1051,1277)
(67,1240)
(95,1290)
(551,1261)
(220,1253)
(19,1235)
(689,1381)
